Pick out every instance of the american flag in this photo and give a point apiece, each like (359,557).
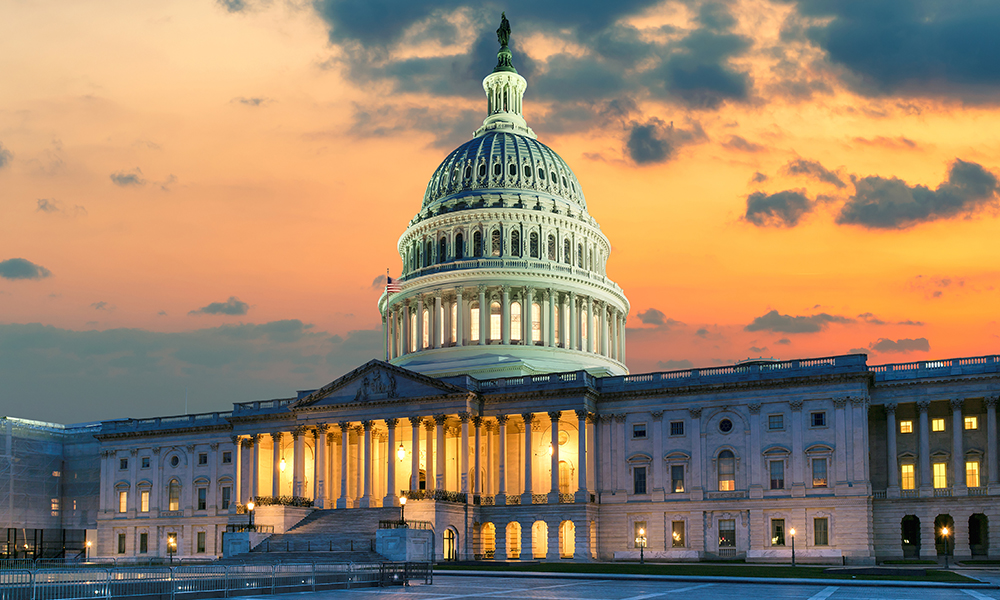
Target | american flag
(392,286)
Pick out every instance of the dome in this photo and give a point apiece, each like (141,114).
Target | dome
(504,161)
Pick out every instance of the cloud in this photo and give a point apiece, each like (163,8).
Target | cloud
(46,206)
(702,332)
(656,318)
(378,282)
(674,365)
(784,341)
(169,181)
(5,156)
(51,206)
(102,305)
(905,345)
(782,209)
(738,143)
(20,268)
(880,203)
(656,142)
(896,143)
(758,177)
(758,349)
(813,169)
(778,323)
(232,307)
(253,101)
(128,178)
(872,319)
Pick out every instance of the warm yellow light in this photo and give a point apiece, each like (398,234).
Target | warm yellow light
(402,500)
(282,465)
(944,531)
(249,505)
(550,450)
(88,543)
(401,453)
(792,531)
(642,532)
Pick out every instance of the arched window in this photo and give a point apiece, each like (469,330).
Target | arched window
(482,170)
(515,321)
(426,341)
(413,332)
(174,495)
(496,243)
(541,174)
(533,244)
(443,250)
(727,471)
(567,253)
(512,170)
(468,172)
(536,323)
(459,247)
(552,248)
(453,335)
(495,321)
(515,243)
(477,243)
(428,254)
(474,323)
(448,549)
(553,173)
(497,169)
(564,180)
(527,170)
(579,255)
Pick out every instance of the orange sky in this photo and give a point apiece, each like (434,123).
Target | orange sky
(254,180)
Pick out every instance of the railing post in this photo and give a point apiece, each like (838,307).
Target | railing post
(107,583)
(173,588)
(31,574)
(314,577)
(273,574)
(226,583)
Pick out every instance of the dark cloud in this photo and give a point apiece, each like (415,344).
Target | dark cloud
(50,206)
(758,349)
(898,143)
(674,365)
(758,177)
(102,305)
(45,205)
(880,203)
(128,178)
(918,48)
(232,307)
(655,142)
(813,169)
(784,341)
(450,128)
(254,101)
(652,316)
(698,74)
(904,345)
(782,209)
(379,282)
(233,6)
(702,332)
(738,143)
(872,319)
(5,156)
(778,323)
(20,268)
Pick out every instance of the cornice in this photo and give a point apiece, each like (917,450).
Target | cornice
(735,385)
(161,432)
(941,380)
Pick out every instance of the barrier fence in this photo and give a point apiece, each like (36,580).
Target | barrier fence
(202,581)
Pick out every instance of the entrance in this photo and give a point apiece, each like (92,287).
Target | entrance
(979,534)
(450,546)
(910,530)
(944,543)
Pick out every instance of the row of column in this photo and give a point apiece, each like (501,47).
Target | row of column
(405,323)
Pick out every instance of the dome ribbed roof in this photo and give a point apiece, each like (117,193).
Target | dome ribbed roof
(504,161)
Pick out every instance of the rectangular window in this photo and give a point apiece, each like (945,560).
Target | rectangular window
(818,419)
(777,532)
(940,475)
(227,458)
(121,543)
(775,422)
(677,478)
(638,431)
(143,543)
(677,428)
(972,473)
(906,427)
(474,324)
(727,533)
(777,468)
(144,501)
(639,480)
(226,495)
(202,498)
(452,335)
(201,542)
(677,534)
(122,464)
(972,422)
(203,458)
(819,472)
(174,496)
(145,462)
(639,531)
(907,479)
(937,424)
(122,501)
(821,532)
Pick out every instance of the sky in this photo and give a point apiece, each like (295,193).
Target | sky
(199,199)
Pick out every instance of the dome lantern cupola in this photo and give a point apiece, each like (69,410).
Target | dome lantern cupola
(504,91)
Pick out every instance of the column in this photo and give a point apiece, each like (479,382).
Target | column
(613,333)
(188,490)
(582,458)
(487,485)
(391,326)
(253,484)
(527,552)
(840,437)
(437,321)
(276,464)
(991,437)
(298,461)
(591,334)
(552,529)
(484,316)
(319,464)
(622,340)
(390,499)
(460,316)
(501,497)
(859,427)
(697,466)
(332,464)
(130,498)
(500,551)
(463,455)
(798,483)
(658,467)
(105,478)
(892,458)
(359,435)
(526,496)
(528,317)
(439,470)
(366,465)
(431,466)
(551,325)
(756,486)
(604,330)
(958,451)
(407,344)
(581,549)
(238,458)
(345,428)
(154,494)
(414,453)
(477,477)
(574,324)
(620,453)
(591,453)
(420,323)
(213,473)
(554,488)
(505,315)
(924,455)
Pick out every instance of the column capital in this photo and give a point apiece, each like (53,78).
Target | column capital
(276,437)
(464,416)
(237,440)
(345,426)
(247,443)
(620,417)
(840,401)
(695,412)
(581,414)
(990,401)
(458,290)
(502,419)
(440,419)
(754,408)
(320,429)
(391,423)
(213,446)
(890,408)
(923,405)
(190,448)
(429,424)
(415,421)
(555,415)
(481,288)
(156,450)
(366,425)
(956,403)
(331,438)
(358,429)
(134,451)
(796,404)
(299,431)
(528,417)
(490,426)
(859,400)
(657,415)
(477,421)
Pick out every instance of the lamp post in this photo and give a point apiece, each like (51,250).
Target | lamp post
(171,548)
(250,507)
(944,534)
(640,540)
(86,551)
(792,533)
(402,510)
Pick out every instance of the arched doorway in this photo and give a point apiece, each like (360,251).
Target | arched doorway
(979,534)
(910,530)
(567,539)
(513,540)
(487,541)
(539,539)
(449,547)
(942,543)
(422,479)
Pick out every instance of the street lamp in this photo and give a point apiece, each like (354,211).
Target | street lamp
(640,540)
(250,512)
(792,533)
(402,510)
(944,534)
(86,551)
(171,547)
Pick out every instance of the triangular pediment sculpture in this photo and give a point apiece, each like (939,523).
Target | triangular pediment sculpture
(376,381)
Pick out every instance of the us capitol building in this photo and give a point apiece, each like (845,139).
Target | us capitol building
(504,412)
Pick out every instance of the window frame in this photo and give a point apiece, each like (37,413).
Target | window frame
(903,476)
(122,501)
(718,469)
(227,457)
(825,528)
(812,419)
(681,432)
(826,471)
(121,543)
(201,495)
(778,532)
(144,501)
(202,459)
(123,463)
(970,422)
(636,480)
(770,422)
(939,425)
(678,541)
(978,472)
(636,432)
(906,426)
(776,484)
(939,477)
(144,462)
(674,480)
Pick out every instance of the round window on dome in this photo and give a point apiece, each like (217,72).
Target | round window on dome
(512,169)
(527,171)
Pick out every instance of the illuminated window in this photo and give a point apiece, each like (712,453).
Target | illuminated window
(777,468)
(454,323)
(937,424)
(906,427)
(495,321)
(515,321)
(777,532)
(174,495)
(426,341)
(122,501)
(474,324)
(821,532)
(727,533)
(819,472)
(677,478)
(972,473)
(972,422)
(536,323)
(940,475)
(638,529)
(727,471)
(144,501)
(907,480)
(677,534)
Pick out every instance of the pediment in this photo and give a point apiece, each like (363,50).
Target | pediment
(377,381)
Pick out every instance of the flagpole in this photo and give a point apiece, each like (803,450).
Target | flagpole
(385,328)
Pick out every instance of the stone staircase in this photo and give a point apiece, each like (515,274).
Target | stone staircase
(327,535)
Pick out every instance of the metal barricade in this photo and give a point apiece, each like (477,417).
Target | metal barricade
(15,584)
(204,580)
(70,584)
(293,578)
(333,576)
(138,581)
(249,579)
